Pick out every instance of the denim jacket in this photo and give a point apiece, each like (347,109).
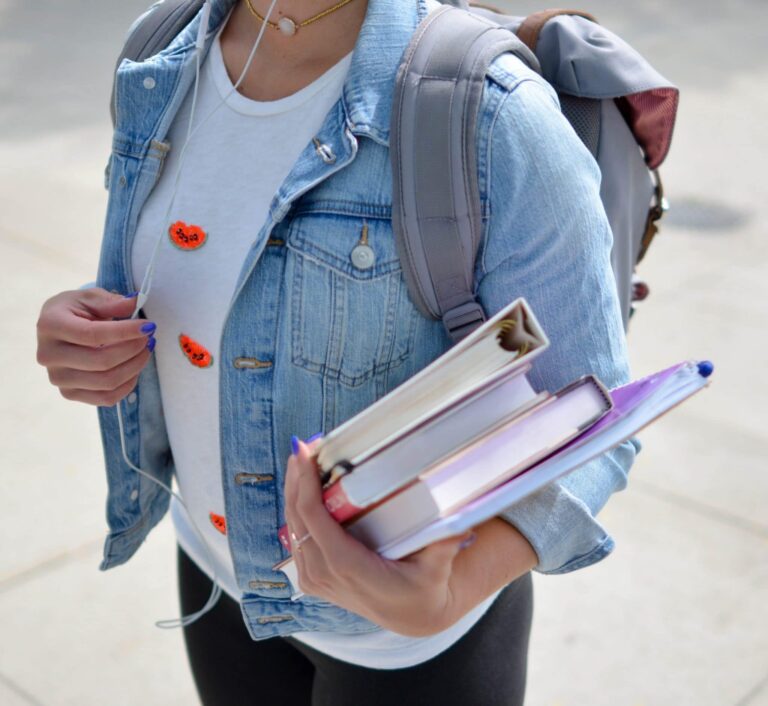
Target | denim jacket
(331,337)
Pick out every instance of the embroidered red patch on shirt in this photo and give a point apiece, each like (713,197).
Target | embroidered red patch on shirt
(196,354)
(218,522)
(187,237)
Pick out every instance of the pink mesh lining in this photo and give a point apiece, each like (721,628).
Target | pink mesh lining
(651,117)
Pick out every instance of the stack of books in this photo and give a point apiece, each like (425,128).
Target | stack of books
(468,436)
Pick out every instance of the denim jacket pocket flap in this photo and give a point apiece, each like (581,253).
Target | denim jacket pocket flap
(357,246)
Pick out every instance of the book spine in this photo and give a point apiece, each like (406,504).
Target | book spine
(338,503)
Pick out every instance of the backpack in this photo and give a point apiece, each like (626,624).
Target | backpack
(620,107)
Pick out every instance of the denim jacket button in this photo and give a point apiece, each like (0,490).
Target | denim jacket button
(256,584)
(149,83)
(363,257)
(325,151)
(134,495)
(132,398)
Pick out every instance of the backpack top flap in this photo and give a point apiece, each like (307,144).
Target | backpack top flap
(581,58)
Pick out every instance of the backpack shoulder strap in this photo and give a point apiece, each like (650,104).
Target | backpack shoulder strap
(436,201)
(153,31)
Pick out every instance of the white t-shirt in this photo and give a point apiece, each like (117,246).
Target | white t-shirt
(233,166)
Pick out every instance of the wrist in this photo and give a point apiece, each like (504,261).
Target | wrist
(422,615)
(500,555)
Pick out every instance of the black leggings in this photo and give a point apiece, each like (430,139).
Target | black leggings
(486,667)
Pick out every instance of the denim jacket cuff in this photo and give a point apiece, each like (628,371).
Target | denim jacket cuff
(561,529)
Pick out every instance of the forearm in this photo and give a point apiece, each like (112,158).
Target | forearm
(499,555)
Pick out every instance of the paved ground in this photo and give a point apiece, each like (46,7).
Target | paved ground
(676,617)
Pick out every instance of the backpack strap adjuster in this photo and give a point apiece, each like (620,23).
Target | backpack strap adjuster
(659,208)
(463,319)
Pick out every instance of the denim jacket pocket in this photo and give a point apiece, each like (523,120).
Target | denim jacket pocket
(351,317)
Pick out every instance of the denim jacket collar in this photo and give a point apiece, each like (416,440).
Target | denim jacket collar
(368,89)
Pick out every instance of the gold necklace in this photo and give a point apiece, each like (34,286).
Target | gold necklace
(288,26)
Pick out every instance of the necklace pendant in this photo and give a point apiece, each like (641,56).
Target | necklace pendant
(286,26)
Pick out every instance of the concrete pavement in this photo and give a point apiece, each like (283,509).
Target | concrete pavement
(677,616)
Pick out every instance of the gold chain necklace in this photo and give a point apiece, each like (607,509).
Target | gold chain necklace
(288,26)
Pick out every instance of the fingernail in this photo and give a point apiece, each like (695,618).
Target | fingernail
(468,542)
(131,295)
(151,343)
(149,328)
(313,437)
(295,444)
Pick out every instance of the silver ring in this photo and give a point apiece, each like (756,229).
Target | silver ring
(296,542)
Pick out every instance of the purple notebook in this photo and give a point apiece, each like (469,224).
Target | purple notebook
(634,395)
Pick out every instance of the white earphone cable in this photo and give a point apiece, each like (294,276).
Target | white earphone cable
(146,285)
(216,589)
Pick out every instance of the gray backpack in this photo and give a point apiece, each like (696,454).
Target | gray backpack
(619,106)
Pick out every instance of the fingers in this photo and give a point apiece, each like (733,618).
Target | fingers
(60,355)
(335,566)
(101,304)
(72,327)
(295,527)
(313,442)
(86,318)
(103,399)
(308,504)
(89,356)
(107,380)
(329,559)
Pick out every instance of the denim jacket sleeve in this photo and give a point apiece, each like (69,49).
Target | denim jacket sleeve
(547,239)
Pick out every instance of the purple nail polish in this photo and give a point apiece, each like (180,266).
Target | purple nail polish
(295,444)
(313,437)
(151,343)
(148,328)
(468,542)
(131,295)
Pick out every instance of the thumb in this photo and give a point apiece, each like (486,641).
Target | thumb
(101,304)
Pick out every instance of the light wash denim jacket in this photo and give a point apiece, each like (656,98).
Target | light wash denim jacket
(331,337)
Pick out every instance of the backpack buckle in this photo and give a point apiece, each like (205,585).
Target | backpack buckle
(463,319)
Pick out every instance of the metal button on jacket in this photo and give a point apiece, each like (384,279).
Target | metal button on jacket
(363,257)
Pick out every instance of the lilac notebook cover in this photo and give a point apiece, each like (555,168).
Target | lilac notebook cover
(627,398)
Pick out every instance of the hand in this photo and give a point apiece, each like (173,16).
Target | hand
(90,357)
(412,596)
